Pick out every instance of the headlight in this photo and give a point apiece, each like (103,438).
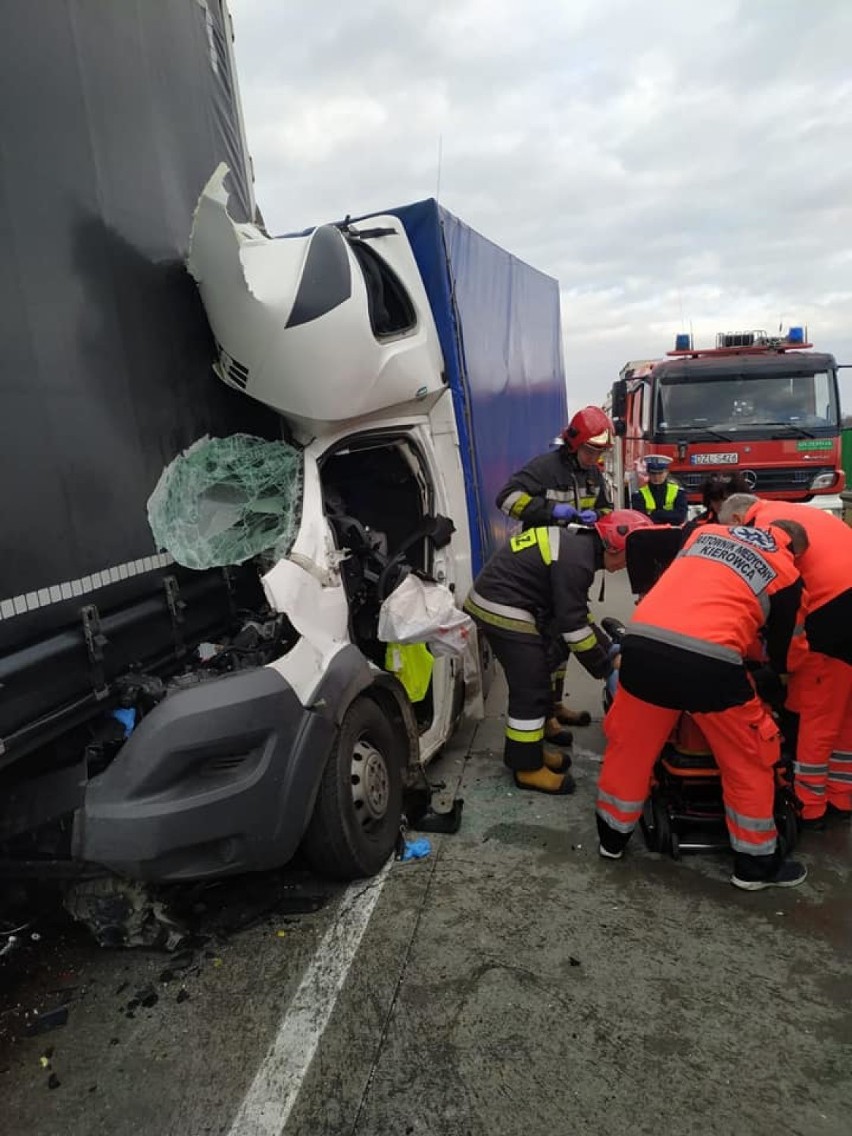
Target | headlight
(824,480)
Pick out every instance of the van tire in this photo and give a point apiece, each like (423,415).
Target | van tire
(358,812)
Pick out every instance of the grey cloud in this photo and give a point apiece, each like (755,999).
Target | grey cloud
(652,157)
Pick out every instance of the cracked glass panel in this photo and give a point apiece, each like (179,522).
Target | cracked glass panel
(225,500)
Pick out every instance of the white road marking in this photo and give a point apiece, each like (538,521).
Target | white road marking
(273,1092)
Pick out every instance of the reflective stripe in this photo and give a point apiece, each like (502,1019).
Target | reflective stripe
(614,822)
(687,642)
(841,757)
(751,824)
(817,790)
(809,768)
(524,735)
(554,536)
(500,609)
(577,636)
(515,503)
(522,623)
(585,644)
(560,495)
(624,806)
(837,778)
(753,847)
(526,723)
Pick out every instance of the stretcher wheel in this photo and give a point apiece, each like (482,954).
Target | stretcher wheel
(786,820)
(674,841)
(656,826)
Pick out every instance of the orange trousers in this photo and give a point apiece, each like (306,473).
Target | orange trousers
(819,690)
(746,745)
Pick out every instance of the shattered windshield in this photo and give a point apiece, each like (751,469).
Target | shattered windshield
(225,500)
(795,403)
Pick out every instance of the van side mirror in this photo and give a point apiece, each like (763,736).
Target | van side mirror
(619,399)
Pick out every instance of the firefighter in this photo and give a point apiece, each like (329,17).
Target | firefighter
(566,485)
(684,650)
(542,577)
(662,498)
(820,658)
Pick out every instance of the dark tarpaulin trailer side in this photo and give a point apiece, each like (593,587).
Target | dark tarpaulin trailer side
(112,118)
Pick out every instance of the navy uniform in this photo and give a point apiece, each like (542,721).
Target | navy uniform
(540,579)
(529,496)
(664,500)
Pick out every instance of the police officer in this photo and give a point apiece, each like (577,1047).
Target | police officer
(545,571)
(566,485)
(662,498)
(684,650)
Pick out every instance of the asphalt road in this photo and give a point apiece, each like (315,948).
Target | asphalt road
(511,982)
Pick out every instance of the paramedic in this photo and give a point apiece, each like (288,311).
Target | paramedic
(684,650)
(819,688)
(543,576)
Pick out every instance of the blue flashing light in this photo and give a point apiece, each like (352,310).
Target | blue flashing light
(796,335)
(683,342)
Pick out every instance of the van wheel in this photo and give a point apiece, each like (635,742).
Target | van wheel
(358,811)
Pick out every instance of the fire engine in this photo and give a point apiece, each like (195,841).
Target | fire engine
(765,406)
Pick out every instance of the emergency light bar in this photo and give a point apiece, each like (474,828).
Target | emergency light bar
(743,342)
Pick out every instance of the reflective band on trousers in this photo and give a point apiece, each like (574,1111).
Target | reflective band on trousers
(757,825)
(809,769)
(525,729)
(614,822)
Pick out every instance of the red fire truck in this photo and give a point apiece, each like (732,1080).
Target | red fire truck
(766,406)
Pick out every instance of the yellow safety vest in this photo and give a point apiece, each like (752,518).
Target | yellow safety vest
(671,496)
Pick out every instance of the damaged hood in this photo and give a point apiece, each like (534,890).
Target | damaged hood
(325,326)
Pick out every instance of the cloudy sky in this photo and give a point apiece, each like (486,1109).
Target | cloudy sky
(673,163)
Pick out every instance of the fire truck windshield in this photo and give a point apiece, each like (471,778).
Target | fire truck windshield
(795,405)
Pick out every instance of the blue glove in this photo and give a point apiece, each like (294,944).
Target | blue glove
(564,512)
(588,517)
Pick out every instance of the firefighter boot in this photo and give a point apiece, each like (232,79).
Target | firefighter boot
(568,717)
(545,780)
(556,760)
(557,735)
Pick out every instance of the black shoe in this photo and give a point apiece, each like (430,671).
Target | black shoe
(789,874)
(834,815)
(812,824)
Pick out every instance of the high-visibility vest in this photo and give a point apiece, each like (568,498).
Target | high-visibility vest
(671,495)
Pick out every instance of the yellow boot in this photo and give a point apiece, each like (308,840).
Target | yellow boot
(545,781)
(571,717)
(556,760)
(557,735)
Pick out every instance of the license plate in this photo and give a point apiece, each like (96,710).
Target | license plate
(714,459)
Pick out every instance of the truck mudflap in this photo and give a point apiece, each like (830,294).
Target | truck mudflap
(218,778)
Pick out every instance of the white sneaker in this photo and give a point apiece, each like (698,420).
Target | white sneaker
(607,855)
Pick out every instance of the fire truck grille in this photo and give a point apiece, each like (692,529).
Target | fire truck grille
(793,479)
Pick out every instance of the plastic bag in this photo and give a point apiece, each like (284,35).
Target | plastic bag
(224,500)
(420,612)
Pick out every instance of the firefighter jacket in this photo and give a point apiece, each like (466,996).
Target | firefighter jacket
(541,578)
(686,643)
(826,570)
(552,479)
(665,504)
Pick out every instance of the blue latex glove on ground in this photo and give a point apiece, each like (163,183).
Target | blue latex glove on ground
(416,849)
(564,513)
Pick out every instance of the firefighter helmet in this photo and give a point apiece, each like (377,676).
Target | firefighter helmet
(589,427)
(615,527)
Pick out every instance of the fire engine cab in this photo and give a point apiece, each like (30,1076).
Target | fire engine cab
(765,406)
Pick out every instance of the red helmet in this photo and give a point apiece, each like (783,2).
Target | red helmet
(614,528)
(589,427)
